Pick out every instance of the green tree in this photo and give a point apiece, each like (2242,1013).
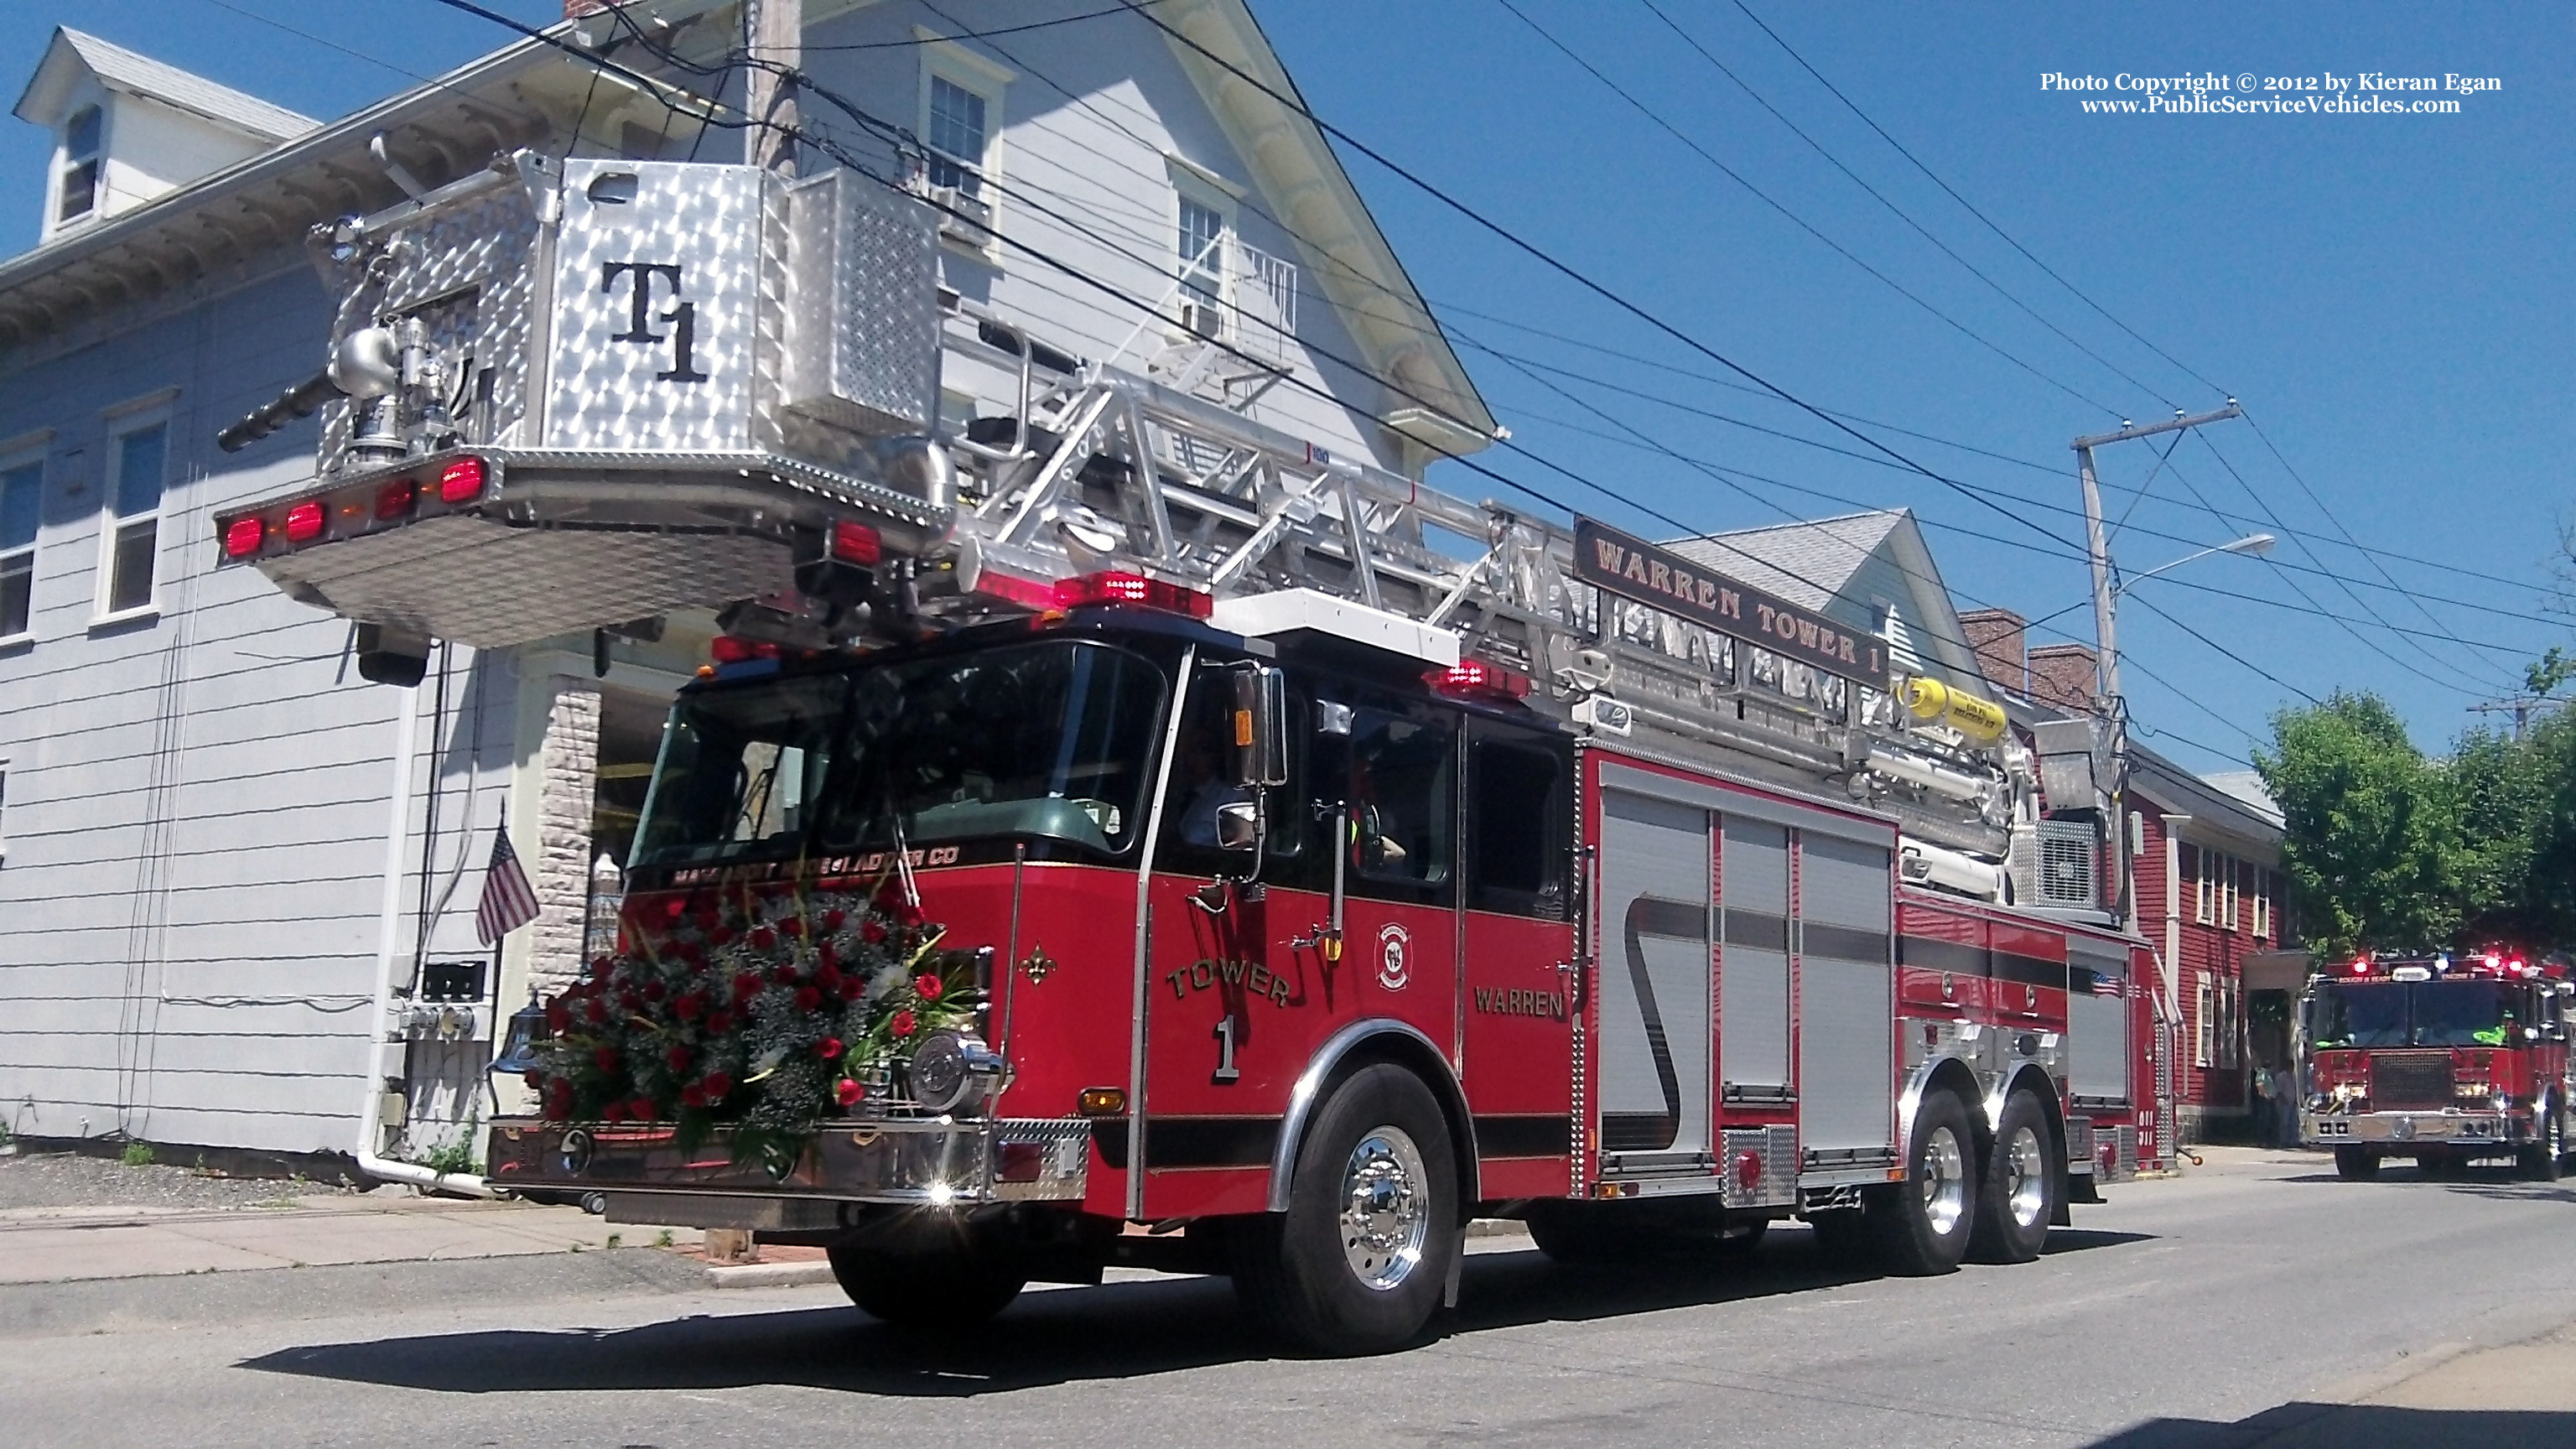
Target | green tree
(2372,832)
(2499,789)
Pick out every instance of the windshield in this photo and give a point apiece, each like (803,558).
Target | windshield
(2360,1015)
(1038,739)
(2423,1013)
(741,771)
(1049,739)
(2459,1013)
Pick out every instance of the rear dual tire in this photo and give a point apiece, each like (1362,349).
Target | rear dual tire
(2024,1183)
(1923,1225)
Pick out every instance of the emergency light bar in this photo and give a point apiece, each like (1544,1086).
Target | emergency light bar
(1477,679)
(1121,587)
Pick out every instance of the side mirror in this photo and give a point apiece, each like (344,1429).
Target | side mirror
(1238,825)
(1260,726)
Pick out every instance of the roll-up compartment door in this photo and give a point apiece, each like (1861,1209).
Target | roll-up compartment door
(2097,1022)
(1655,1008)
(1753,962)
(1846,1036)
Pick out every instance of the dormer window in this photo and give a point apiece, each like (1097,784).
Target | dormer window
(79,167)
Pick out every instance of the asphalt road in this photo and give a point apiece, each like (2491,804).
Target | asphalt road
(2182,1312)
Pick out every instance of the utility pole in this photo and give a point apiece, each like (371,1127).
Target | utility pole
(2114,709)
(773,33)
(2519,706)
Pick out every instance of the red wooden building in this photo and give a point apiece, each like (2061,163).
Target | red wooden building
(2209,893)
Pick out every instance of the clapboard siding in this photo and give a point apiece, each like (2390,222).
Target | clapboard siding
(198,804)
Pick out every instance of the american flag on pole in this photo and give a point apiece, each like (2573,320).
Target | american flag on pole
(509,902)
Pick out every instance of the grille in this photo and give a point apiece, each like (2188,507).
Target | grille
(2066,871)
(2420,1080)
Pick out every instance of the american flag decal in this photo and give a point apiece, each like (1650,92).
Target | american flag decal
(2105,985)
(509,902)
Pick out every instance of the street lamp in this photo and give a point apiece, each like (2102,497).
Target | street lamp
(2256,544)
(2252,544)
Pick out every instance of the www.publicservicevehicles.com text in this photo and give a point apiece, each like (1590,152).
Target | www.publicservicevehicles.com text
(2368,92)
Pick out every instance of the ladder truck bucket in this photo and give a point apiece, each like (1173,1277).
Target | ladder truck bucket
(566,394)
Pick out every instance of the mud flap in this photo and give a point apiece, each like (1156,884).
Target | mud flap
(2080,1187)
(1457,1270)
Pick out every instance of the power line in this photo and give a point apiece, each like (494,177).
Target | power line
(2346,585)
(2053,470)
(918,41)
(1731,174)
(1527,365)
(1969,206)
(890,130)
(2296,477)
(1899,212)
(1575,275)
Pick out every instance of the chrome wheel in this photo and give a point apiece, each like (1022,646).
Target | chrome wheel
(2026,1178)
(1945,1181)
(1386,1203)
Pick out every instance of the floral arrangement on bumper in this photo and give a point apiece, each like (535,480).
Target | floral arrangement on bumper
(767,1014)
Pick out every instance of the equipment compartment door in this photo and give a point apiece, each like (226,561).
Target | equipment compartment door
(1846,1036)
(1656,1017)
(2097,1023)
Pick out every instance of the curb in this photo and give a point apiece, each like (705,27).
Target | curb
(768,1275)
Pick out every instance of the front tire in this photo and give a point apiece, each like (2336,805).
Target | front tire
(1357,1263)
(2024,1182)
(2356,1164)
(1923,1224)
(2544,1160)
(927,1270)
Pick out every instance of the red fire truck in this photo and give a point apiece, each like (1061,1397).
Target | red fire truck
(1319,888)
(2445,1059)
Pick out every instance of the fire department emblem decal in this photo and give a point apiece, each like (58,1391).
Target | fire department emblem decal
(1394,947)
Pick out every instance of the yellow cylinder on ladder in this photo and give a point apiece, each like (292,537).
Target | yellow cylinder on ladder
(1933,702)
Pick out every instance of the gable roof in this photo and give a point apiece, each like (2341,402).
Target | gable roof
(1825,565)
(1431,400)
(1809,564)
(121,69)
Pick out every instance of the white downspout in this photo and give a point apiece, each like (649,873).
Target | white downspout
(371,1119)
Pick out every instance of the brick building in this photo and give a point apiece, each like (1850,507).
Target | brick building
(2205,857)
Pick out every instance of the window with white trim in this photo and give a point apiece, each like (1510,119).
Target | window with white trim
(2204,1006)
(1206,235)
(2262,902)
(138,463)
(960,126)
(2199,885)
(78,172)
(957,136)
(22,485)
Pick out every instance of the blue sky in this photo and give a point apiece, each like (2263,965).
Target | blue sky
(2385,293)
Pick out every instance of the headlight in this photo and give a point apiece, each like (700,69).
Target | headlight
(953,1071)
(2465,1090)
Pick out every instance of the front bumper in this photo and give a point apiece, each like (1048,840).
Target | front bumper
(2401,1130)
(932,1162)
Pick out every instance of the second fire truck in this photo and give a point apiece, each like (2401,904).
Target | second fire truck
(2445,1059)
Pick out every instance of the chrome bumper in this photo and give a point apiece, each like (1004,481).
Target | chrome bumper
(2404,1129)
(932,1162)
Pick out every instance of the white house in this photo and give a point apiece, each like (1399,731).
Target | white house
(214,837)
